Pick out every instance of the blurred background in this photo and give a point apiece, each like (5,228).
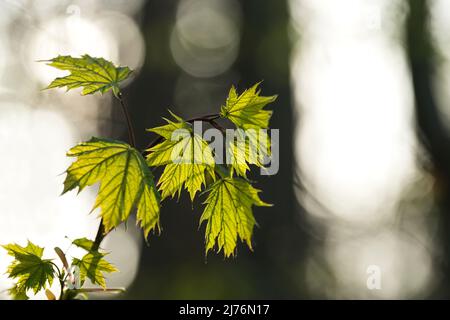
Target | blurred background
(364,117)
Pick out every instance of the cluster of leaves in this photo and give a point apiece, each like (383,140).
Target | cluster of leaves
(32,272)
(127,184)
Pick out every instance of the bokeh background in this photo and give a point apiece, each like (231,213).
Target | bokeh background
(364,119)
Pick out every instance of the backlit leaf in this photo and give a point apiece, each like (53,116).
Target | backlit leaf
(229,215)
(186,156)
(252,143)
(84,243)
(92,74)
(125,182)
(246,110)
(29,269)
(249,147)
(18,293)
(92,266)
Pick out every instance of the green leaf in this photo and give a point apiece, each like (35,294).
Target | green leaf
(186,156)
(29,269)
(84,243)
(249,147)
(229,215)
(18,293)
(246,110)
(92,266)
(167,130)
(252,143)
(93,74)
(239,155)
(125,182)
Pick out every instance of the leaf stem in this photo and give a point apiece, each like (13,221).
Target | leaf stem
(61,292)
(61,280)
(205,118)
(131,136)
(153,143)
(217,126)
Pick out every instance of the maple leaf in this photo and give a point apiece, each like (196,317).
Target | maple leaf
(246,110)
(125,182)
(92,74)
(251,144)
(186,157)
(248,147)
(92,266)
(31,271)
(229,215)
(84,243)
(17,292)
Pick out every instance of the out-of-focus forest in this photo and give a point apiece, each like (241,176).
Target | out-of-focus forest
(363,111)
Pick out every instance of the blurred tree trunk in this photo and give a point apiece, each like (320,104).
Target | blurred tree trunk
(274,269)
(265,55)
(430,128)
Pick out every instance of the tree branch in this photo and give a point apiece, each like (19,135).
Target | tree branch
(210,118)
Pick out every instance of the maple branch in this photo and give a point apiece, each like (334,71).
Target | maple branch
(209,118)
(205,118)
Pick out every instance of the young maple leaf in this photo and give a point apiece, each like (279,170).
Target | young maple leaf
(229,215)
(246,110)
(92,74)
(251,144)
(186,156)
(31,271)
(93,264)
(125,182)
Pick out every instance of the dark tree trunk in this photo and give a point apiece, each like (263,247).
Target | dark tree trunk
(173,266)
(430,128)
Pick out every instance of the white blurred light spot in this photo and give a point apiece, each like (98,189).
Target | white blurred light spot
(205,39)
(4,57)
(128,37)
(355,146)
(34,142)
(67,35)
(405,268)
(124,254)
(35,139)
